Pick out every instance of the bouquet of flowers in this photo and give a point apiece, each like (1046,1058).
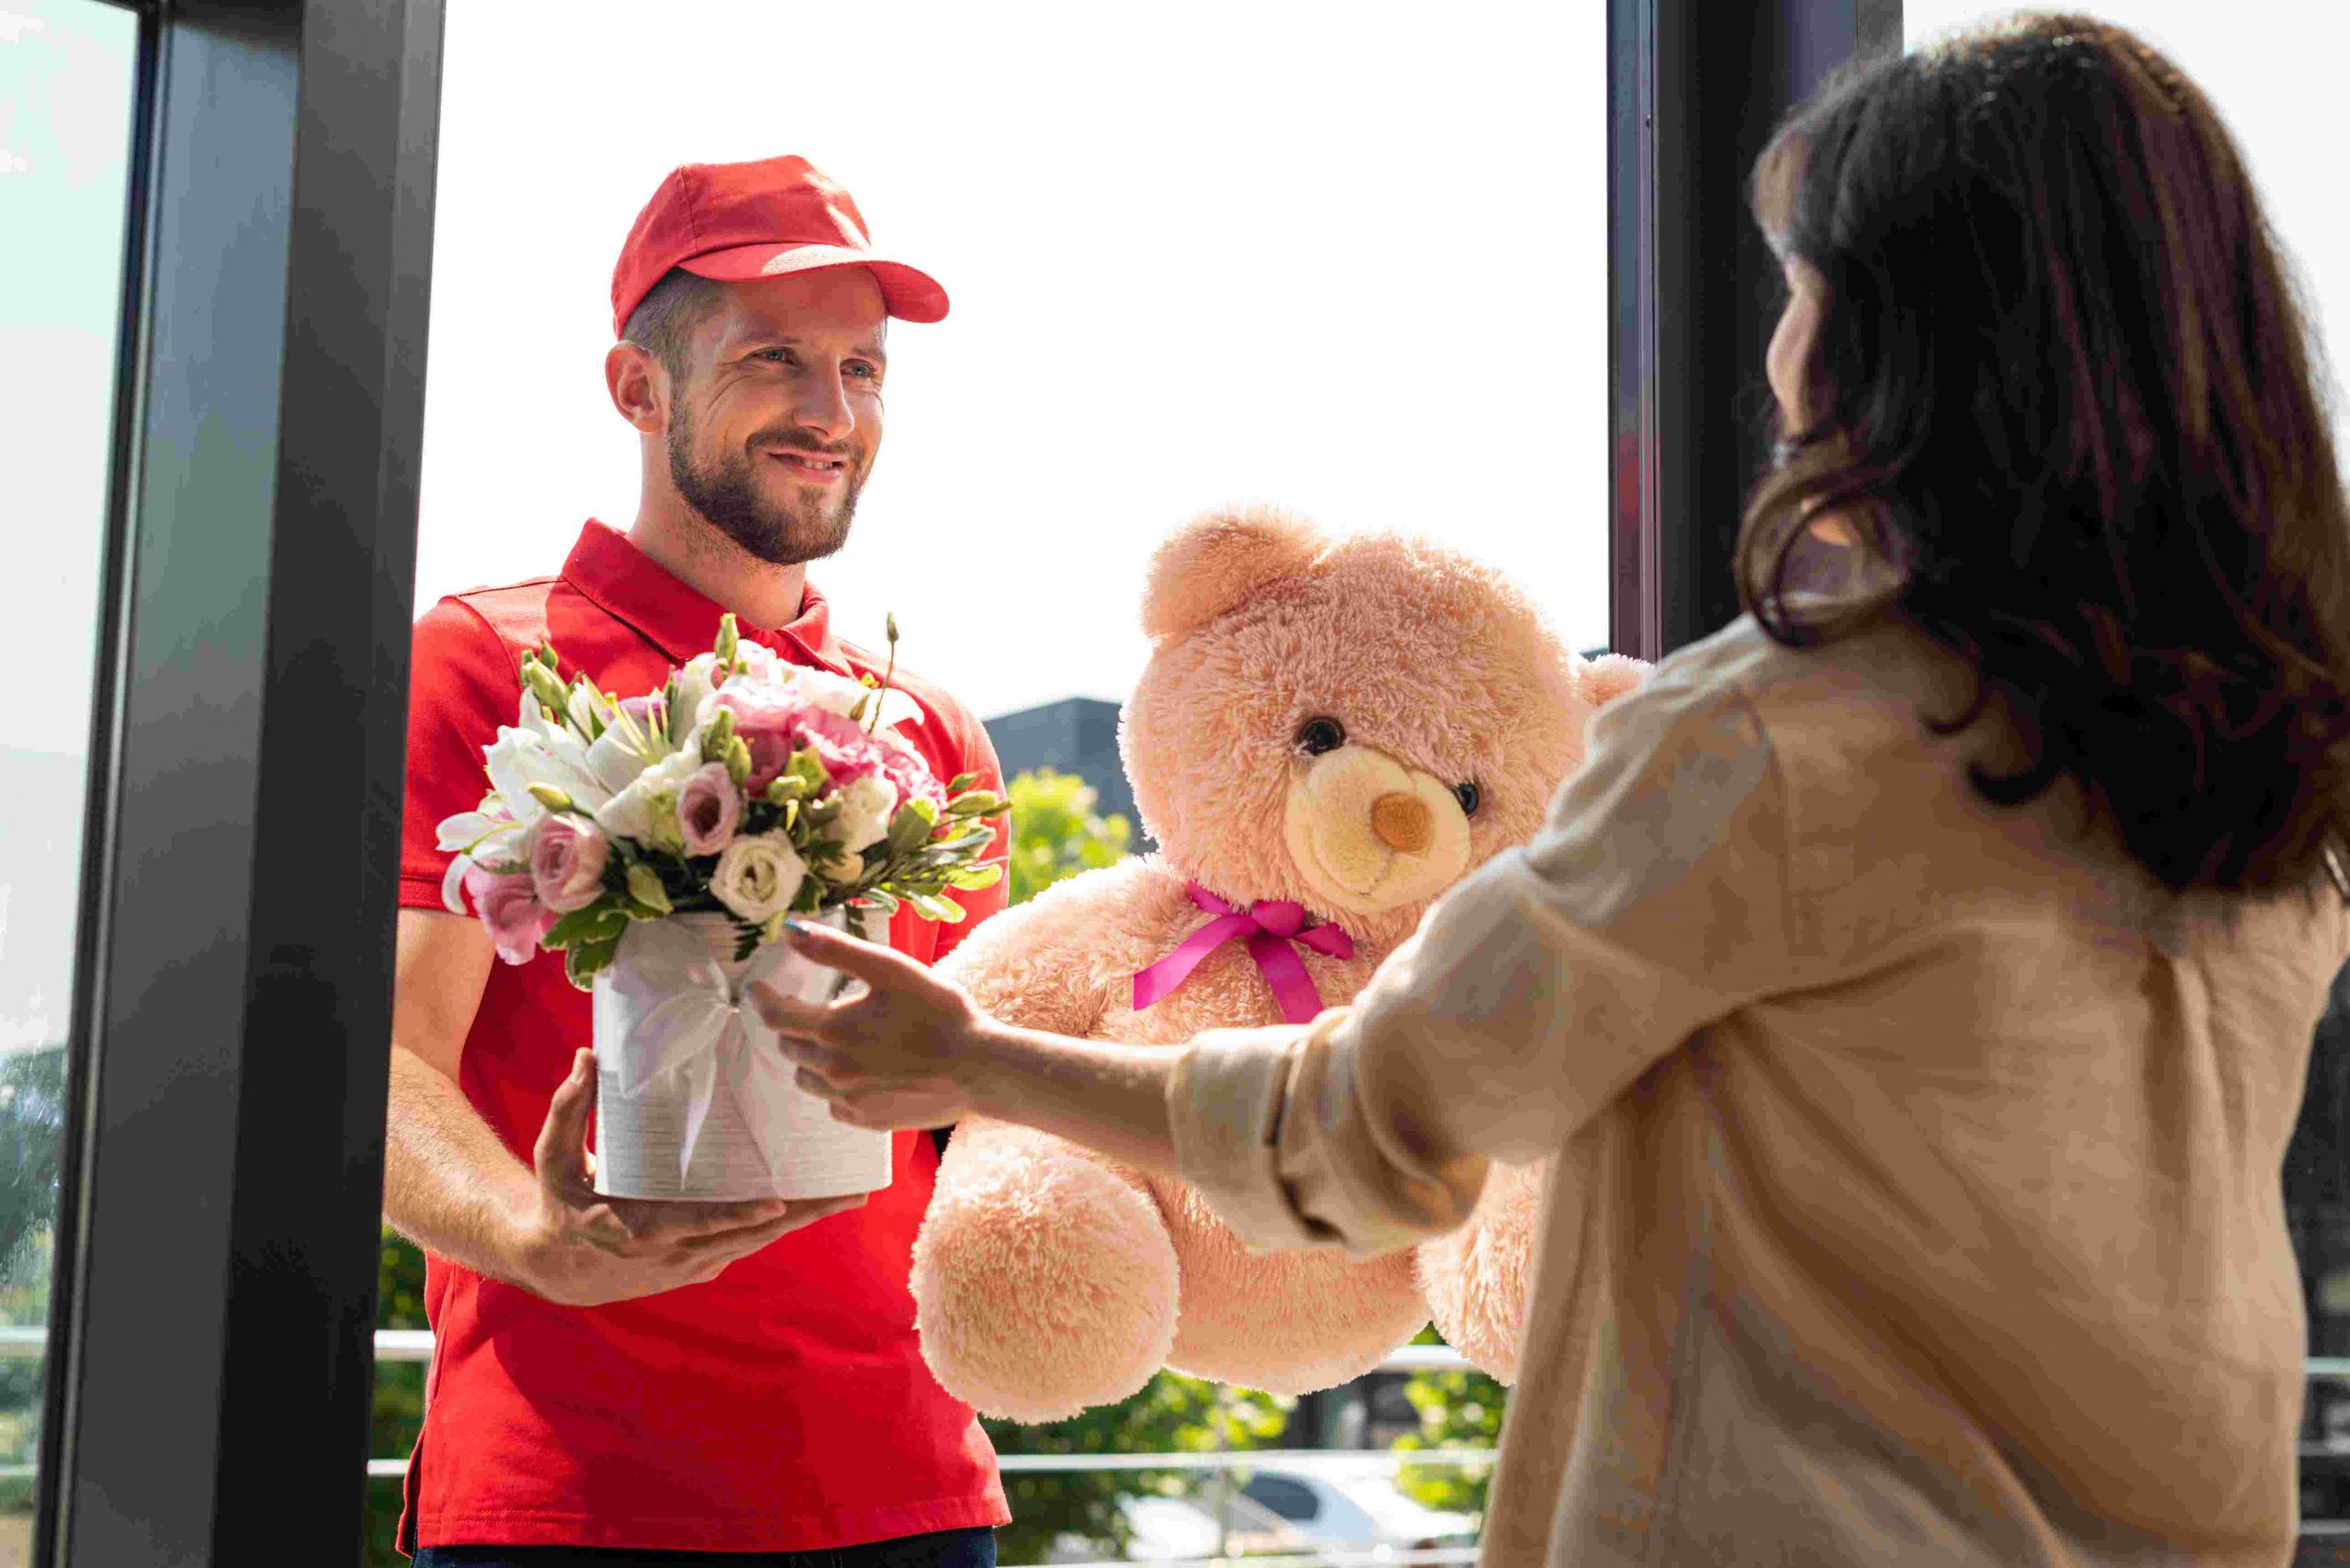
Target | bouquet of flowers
(659,841)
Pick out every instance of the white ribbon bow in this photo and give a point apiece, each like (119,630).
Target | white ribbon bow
(689,1020)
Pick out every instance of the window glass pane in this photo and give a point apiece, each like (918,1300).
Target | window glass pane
(1290,1499)
(67,69)
(2265,93)
(1328,253)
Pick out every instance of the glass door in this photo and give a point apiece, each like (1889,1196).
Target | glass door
(69,74)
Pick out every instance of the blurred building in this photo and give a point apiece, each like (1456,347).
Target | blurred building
(1079,735)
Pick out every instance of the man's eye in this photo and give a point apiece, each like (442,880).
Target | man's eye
(866,371)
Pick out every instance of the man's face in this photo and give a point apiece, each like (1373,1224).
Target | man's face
(775,415)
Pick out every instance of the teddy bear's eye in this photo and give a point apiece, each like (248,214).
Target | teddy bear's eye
(1470,797)
(1316,736)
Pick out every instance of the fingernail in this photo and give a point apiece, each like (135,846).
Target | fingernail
(798,928)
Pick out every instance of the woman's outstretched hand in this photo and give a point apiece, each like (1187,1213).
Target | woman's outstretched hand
(902,1052)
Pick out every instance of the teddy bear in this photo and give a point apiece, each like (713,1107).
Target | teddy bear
(1328,734)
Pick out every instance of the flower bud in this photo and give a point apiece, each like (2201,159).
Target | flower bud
(550,796)
(716,739)
(738,761)
(730,639)
(542,684)
(645,887)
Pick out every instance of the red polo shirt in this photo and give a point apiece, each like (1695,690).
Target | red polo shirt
(783,1406)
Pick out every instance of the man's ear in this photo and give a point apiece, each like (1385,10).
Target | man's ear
(639,386)
(1219,559)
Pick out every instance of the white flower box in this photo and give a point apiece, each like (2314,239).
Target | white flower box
(693,1097)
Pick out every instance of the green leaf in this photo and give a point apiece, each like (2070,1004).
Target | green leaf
(602,920)
(909,827)
(972,879)
(930,907)
(961,782)
(585,960)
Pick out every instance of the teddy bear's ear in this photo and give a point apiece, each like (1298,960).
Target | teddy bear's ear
(1219,559)
(1608,676)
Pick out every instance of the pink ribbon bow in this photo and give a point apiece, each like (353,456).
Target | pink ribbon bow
(1271,925)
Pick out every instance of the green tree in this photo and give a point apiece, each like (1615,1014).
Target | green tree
(1172,1415)
(399,1393)
(32,1136)
(1458,1410)
(1055,832)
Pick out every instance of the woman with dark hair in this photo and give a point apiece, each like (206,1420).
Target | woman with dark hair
(1914,990)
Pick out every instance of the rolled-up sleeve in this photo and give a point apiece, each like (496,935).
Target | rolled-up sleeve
(1535,994)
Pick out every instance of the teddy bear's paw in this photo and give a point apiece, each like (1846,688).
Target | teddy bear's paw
(1283,1321)
(1477,1277)
(1293,1321)
(1043,1283)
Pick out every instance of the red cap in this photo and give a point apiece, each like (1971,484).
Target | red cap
(737,221)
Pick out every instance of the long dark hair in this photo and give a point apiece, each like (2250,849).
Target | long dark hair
(2062,386)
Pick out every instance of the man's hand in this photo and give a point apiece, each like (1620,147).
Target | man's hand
(583,1249)
(905,1050)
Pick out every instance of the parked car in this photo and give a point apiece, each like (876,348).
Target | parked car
(1342,1503)
(1169,1532)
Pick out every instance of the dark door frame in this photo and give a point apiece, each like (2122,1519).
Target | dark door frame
(213,1302)
(1694,90)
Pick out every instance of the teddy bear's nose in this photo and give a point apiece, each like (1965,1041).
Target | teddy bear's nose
(1403,822)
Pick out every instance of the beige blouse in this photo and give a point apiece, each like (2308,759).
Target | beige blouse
(1916,1191)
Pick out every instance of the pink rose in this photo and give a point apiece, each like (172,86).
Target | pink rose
(710,809)
(913,776)
(766,729)
(567,858)
(510,911)
(847,753)
(774,731)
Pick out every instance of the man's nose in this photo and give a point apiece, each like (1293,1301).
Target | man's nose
(824,409)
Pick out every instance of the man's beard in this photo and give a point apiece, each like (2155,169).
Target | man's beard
(807,528)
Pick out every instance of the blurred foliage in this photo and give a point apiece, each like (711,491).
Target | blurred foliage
(32,1138)
(1055,832)
(399,1393)
(1458,1410)
(1172,1414)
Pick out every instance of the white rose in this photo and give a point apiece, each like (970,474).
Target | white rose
(867,805)
(758,877)
(646,812)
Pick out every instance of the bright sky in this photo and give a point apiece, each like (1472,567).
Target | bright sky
(1315,252)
